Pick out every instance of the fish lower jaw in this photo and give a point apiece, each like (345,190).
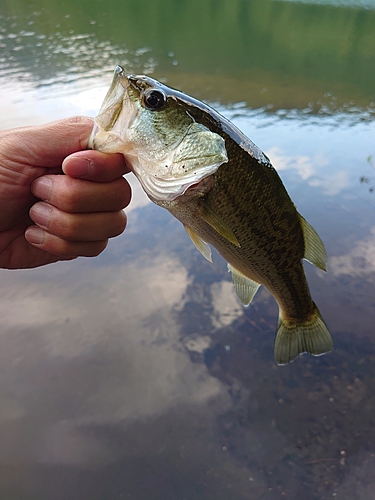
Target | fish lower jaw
(168,187)
(162,190)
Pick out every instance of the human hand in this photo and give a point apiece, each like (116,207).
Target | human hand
(79,211)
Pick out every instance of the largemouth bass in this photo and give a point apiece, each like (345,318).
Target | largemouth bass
(199,166)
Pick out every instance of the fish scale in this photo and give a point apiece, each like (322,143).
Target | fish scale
(265,254)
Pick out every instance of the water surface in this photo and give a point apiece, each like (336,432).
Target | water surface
(137,375)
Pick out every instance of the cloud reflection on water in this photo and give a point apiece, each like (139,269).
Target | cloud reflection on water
(359,262)
(310,170)
(226,305)
(109,350)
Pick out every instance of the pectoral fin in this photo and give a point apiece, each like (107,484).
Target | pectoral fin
(244,287)
(217,223)
(314,248)
(202,246)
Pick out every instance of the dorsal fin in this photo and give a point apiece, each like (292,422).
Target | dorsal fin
(217,223)
(314,247)
(201,245)
(244,287)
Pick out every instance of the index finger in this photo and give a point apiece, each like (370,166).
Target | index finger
(95,166)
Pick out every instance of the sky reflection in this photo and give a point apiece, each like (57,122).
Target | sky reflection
(58,342)
(360,261)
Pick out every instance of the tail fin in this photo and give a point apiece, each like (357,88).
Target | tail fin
(291,340)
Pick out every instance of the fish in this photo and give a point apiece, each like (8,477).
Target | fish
(195,163)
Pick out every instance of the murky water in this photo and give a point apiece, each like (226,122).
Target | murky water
(137,375)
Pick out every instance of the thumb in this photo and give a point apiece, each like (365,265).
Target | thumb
(47,145)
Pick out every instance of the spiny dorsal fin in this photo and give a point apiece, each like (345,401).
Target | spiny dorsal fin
(202,246)
(291,339)
(314,248)
(216,222)
(244,287)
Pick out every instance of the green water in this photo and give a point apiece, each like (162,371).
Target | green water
(137,375)
(290,55)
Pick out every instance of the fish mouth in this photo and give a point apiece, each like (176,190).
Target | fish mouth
(121,76)
(110,109)
(118,74)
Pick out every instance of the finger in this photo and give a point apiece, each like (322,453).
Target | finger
(47,145)
(78,227)
(55,245)
(78,195)
(95,166)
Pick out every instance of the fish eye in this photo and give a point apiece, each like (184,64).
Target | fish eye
(154,99)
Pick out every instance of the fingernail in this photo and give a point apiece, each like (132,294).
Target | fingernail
(35,235)
(41,214)
(80,166)
(42,188)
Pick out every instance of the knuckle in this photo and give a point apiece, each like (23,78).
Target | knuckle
(71,230)
(79,120)
(95,248)
(58,246)
(70,201)
(65,226)
(119,224)
(65,194)
(67,249)
(127,193)
(120,193)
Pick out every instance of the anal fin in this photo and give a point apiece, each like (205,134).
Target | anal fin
(217,223)
(200,245)
(244,287)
